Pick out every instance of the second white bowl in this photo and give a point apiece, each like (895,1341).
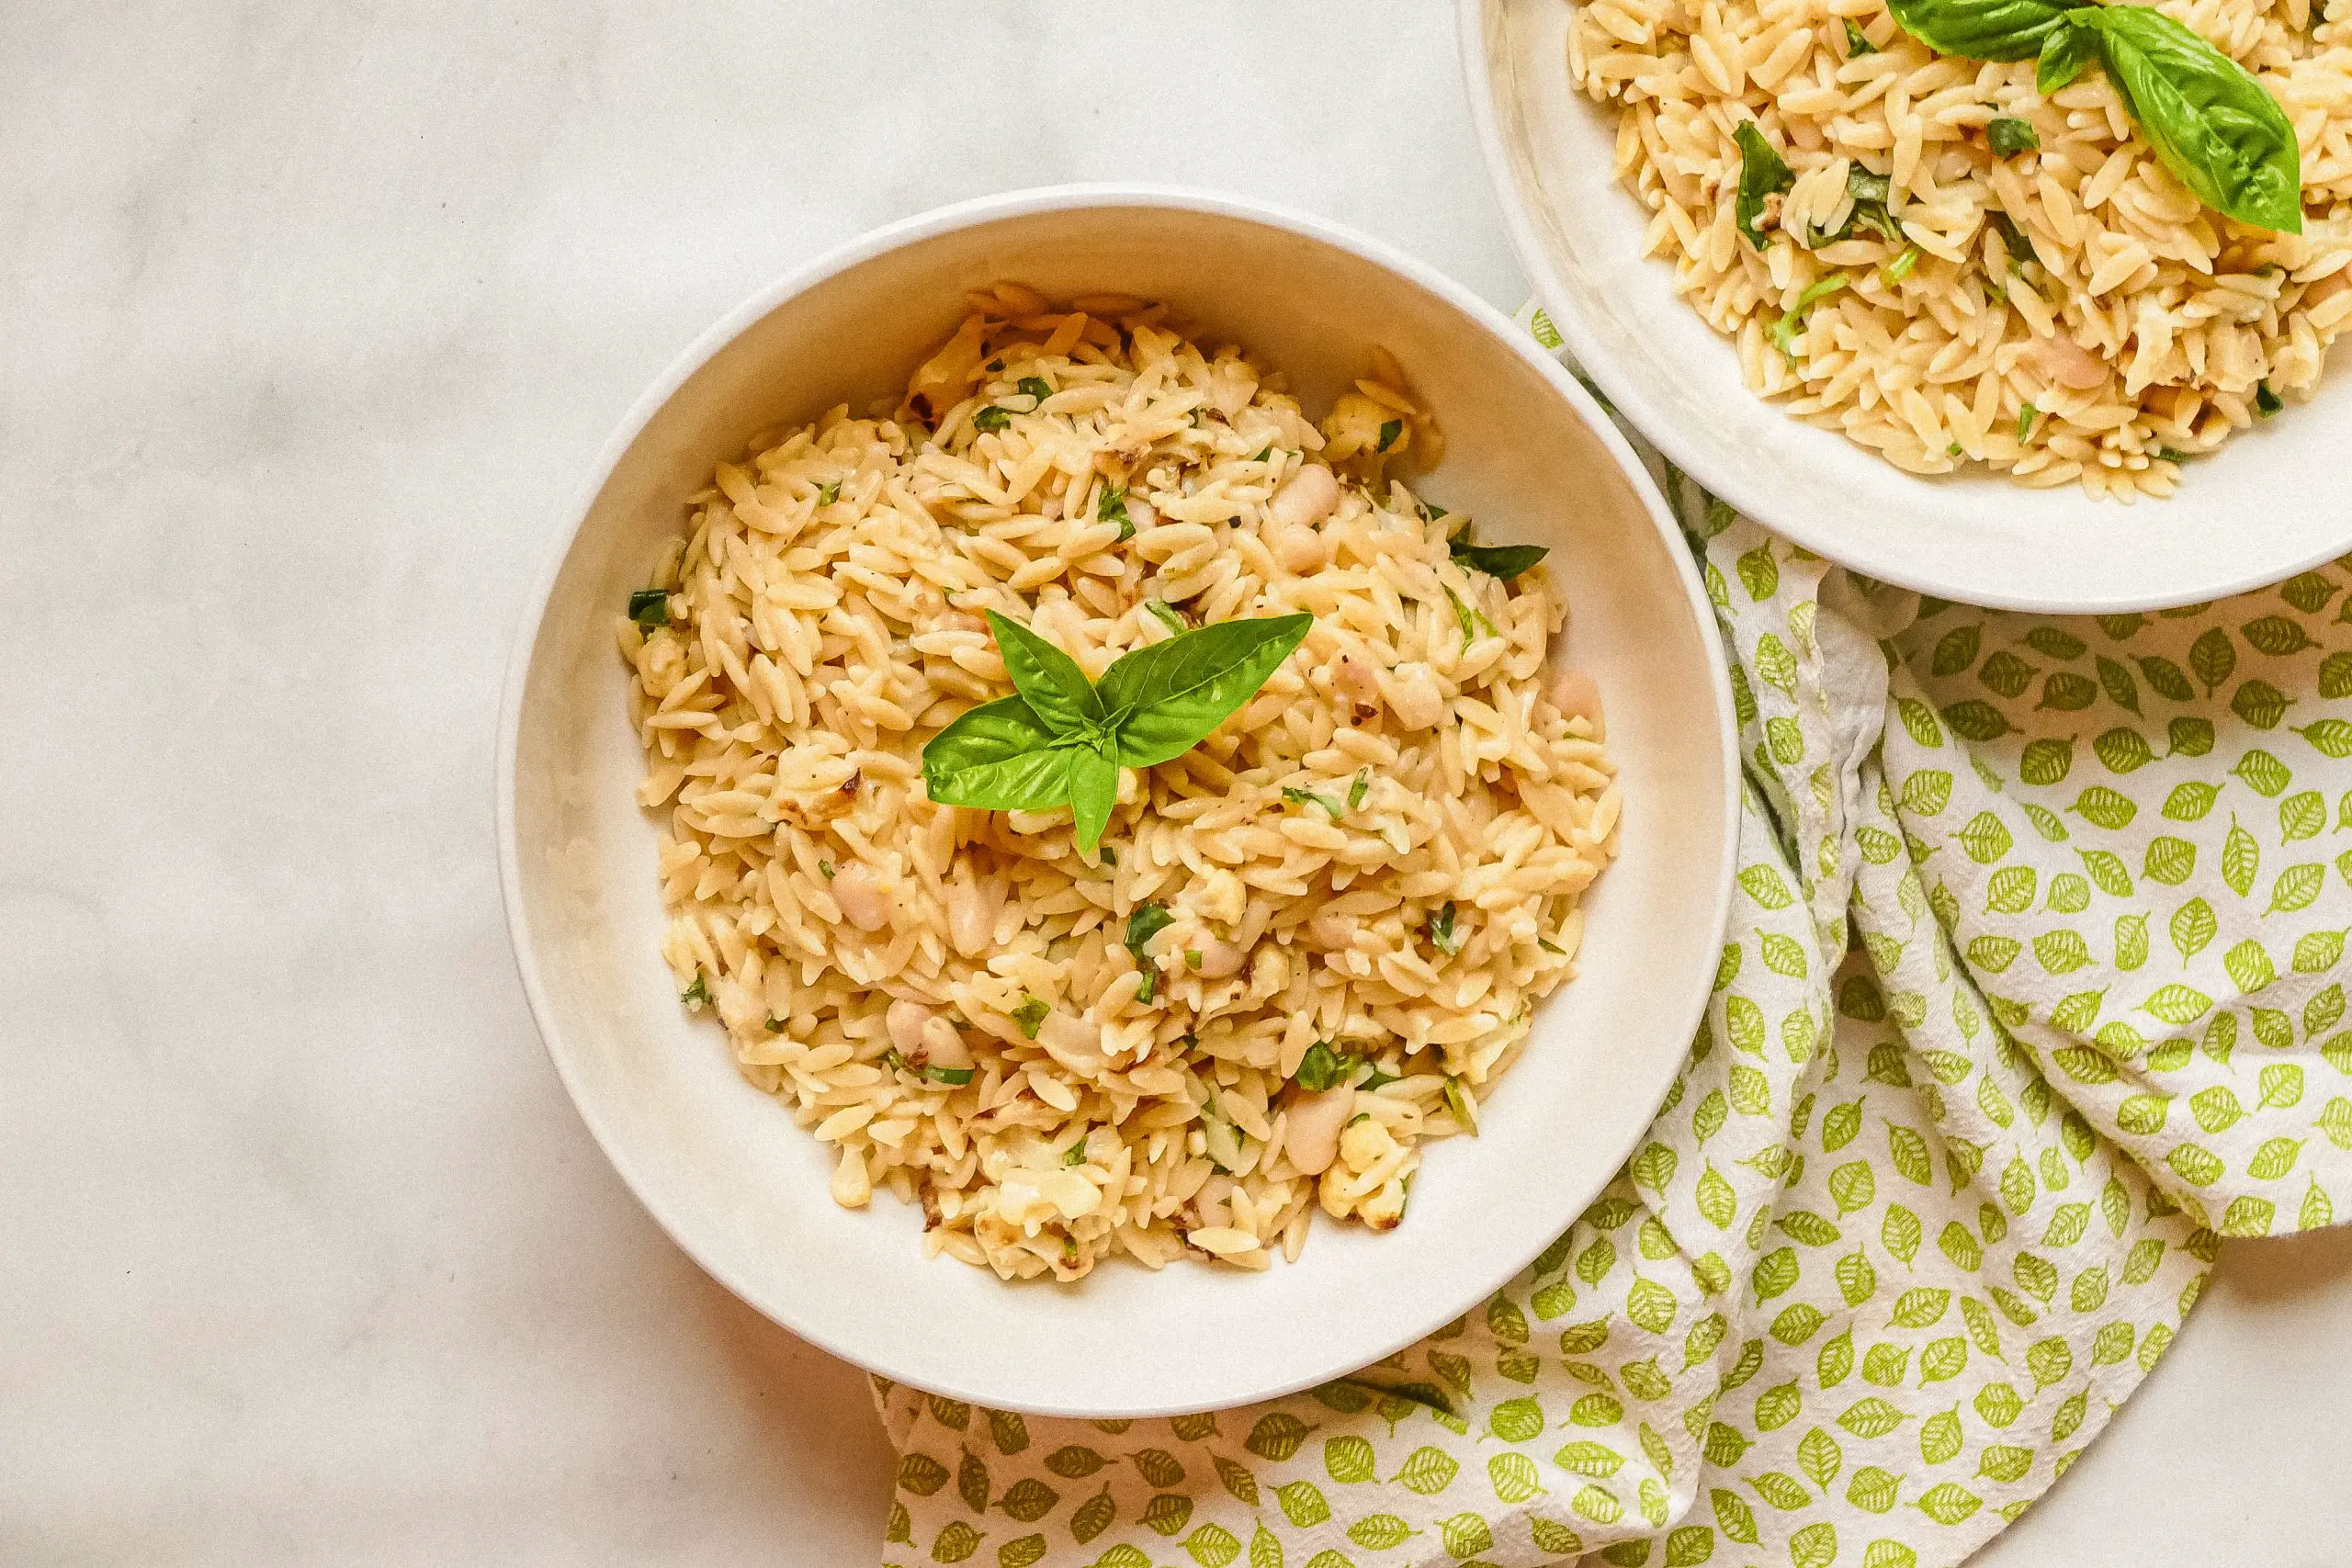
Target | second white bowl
(2273,500)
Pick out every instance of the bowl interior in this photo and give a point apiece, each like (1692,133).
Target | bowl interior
(743,1189)
(2268,504)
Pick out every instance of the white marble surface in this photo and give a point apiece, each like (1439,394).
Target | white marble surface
(310,317)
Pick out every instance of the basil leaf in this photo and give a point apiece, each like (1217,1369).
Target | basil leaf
(1983,29)
(1163,700)
(2211,124)
(1331,807)
(1784,332)
(2009,136)
(649,607)
(1857,42)
(1111,506)
(1322,1067)
(1036,387)
(1148,921)
(991,418)
(1056,689)
(1094,790)
(2265,402)
(1762,172)
(1870,192)
(999,757)
(1442,933)
(1168,616)
(2013,243)
(1505,561)
(2063,55)
(1030,1015)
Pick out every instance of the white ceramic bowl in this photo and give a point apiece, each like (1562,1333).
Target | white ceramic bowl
(2273,500)
(725,1169)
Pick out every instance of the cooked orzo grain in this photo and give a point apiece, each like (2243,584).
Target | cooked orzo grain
(2047,300)
(1302,949)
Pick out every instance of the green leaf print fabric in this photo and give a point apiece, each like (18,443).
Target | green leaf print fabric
(2031,994)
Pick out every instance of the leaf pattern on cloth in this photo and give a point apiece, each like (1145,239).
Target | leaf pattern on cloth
(2031,994)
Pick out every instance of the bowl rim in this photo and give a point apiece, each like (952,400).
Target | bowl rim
(925,225)
(1730,480)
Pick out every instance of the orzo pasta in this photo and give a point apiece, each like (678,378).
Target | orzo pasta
(1302,949)
(1961,269)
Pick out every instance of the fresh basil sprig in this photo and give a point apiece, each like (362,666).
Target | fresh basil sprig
(1062,740)
(2210,121)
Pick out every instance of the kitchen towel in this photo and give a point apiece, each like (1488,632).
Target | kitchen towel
(2031,994)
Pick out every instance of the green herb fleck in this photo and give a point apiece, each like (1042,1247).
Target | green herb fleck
(991,418)
(1075,1154)
(1358,790)
(1900,267)
(1321,1068)
(2009,136)
(893,1060)
(2170,455)
(649,607)
(1459,1103)
(1551,947)
(1762,172)
(1263,453)
(1954,450)
(1389,430)
(1468,618)
(1442,936)
(697,996)
(1784,332)
(2018,249)
(1112,507)
(2027,415)
(1856,42)
(1192,958)
(1030,1015)
(956,1077)
(1036,387)
(1872,194)
(1505,561)
(825,869)
(2265,402)
(1373,1077)
(1168,616)
(1148,921)
(1308,797)
(828,492)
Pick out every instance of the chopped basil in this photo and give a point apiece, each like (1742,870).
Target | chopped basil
(1442,936)
(1856,43)
(1784,332)
(1762,172)
(1075,1154)
(2265,402)
(1459,1104)
(1505,561)
(2027,415)
(1111,506)
(1872,194)
(1321,1068)
(1036,387)
(697,996)
(775,1024)
(828,492)
(1900,267)
(1389,430)
(1954,450)
(1148,921)
(1469,619)
(2013,240)
(1168,615)
(1110,857)
(825,869)
(991,418)
(893,1060)
(1192,958)
(1308,797)
(1029,1015)
(1263,453)
(2170,456)
(958,1077)
(649,607)
(1551,947)
(1373,1077)
(1358,790)
(1432,512)
(2009,136)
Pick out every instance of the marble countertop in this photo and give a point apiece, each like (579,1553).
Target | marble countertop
(310,318)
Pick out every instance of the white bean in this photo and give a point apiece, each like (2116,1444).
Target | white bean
(1357,678)
(1574,693)
(2067,362)
(1413,695)
(1312,1137)
(1307,496)
(1300,550)
(1219,959)
(905,1021)
(859,893)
